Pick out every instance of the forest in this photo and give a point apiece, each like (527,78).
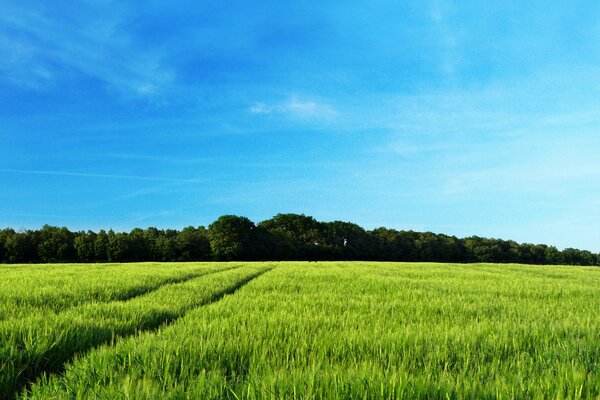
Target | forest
(282,237)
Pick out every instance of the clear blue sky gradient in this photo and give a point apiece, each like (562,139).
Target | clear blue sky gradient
(458,117)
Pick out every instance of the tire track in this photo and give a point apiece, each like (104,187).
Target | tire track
(74,338)
(126,295)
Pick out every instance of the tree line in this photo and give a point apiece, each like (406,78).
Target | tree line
(283,237)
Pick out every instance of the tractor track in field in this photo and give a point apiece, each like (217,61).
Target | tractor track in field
(27,379)
(171,281)
(128,294)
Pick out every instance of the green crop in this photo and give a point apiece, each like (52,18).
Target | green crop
(344,331)
(53,288)
(41,343)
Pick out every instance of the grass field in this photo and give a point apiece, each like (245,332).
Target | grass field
(299,331)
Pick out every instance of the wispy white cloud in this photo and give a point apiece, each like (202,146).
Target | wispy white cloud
(448,36)
(550,169)
(297,107)
(438,9)
(136,194)
(93,175)
(406,148)
(38,48)
(30,215)
(261,108)
(139,217)
(162,159)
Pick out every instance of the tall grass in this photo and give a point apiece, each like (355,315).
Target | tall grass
(43,343)
(25,289)
(364,331)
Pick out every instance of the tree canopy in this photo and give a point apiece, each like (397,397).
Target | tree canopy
(282,237)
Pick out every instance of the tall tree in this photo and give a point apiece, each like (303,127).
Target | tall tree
(231,238)
(4,233)
(55,245)
(166,246)
(101,246)
(138,246)
(303,235)
(84,246)
(193,244)
(118,247)
(21,247)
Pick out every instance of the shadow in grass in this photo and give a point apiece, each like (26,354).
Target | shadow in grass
(79,337)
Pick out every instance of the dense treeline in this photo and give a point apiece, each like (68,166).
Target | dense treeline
(283,237)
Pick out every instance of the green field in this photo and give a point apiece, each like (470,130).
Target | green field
(326,330)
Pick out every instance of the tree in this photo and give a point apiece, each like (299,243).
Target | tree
(578,257)
(101,246)
(553,256)
(151,236)
(304,236)
(166,246)
(393,245)
(231,238)
(55,245)
(350,241)
(4,233)
(21,247)
(138,246)
(84,246)
(118,247)
(193,244)
(302,228)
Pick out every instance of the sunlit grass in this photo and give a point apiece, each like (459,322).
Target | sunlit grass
(363,331)
(41,343)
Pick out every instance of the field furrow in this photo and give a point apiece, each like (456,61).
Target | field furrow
(54,288)
(32,346)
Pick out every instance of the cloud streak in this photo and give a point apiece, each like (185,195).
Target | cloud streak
(298,108)
(39,49)
(100,176)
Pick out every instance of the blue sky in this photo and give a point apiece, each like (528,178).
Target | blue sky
(460,117)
